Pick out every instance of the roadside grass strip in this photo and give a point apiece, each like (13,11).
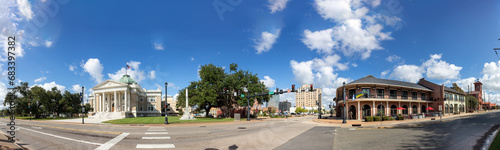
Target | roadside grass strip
(161,120)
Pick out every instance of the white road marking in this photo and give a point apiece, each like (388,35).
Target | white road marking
(156,138)
(156,132)
(352,128)
(112,142)
(35,127)
(57,136)
(157,129)
(155,146)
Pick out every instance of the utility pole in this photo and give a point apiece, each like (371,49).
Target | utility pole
(344,97)
(83,105)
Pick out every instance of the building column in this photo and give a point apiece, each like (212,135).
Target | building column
(115,103)
(126,99)
(419,107)
(102,102)
(359,110)
(373,114)
(400,109)
(410,109)
(427,111)
(387,108)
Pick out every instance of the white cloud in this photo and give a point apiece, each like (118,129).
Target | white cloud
(319,40)
(435,68)
(192,58)
(172,85)
(266,41)
(76,88)
(40,79)
(158,86)
(268,82)
(355,32)
(50,85)
(354,65)
(277,5)
(384,73)
(48,44)
(152,75)
(410,73)
(158,46)
(439,69)
(175,97)
(321,73)
(135,72)
(491,76)
(25,8)
(462,83)
(393,58)
(72,67)
(94,68)
(3,93)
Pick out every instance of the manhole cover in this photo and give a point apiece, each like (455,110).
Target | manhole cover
(242,127)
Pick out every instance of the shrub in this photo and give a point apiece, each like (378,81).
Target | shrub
(377,118)
(384,118)
(401,117)
(391,118)
(368,119)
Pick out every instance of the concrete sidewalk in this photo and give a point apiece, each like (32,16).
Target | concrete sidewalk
(8,145)
(395,123)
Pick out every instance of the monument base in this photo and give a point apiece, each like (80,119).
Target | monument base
(187,116)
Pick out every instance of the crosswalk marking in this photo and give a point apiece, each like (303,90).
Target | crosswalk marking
(156,138)
(157,129)
(156,132)
(155,146)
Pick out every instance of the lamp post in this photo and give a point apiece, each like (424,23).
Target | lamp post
(166,104)
(83,106)
(344,97)
(248,103)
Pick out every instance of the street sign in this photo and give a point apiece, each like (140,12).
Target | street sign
(271,93)
(289,90)
(242,95)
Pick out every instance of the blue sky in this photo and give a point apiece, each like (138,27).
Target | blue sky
(70,43)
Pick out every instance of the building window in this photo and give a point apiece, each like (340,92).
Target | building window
(404,95)
(366,93)
(140,109)
(422,96)
(351,93)
(152,99)
(414,96)
(380,93)
(394,94)
(151,107)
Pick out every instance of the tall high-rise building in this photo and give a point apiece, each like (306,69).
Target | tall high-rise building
(306,98)
(274,101)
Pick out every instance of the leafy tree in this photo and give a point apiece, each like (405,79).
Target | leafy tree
(457,88)
(471,102)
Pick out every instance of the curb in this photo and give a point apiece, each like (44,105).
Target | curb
(15,143)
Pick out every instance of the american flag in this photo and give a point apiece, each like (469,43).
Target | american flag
(128,67)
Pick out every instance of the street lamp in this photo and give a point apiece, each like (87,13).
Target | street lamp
(166,104)
(248,103)
(344,97)
(83,106)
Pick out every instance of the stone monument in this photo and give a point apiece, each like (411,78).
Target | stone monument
(187,111)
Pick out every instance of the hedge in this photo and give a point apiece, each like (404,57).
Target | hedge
(368,119)
(377,118)
(401,117)
(384,118)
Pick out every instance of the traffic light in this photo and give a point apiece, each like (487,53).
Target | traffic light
(277,91)
(29,105)
(312,88)
(293,87)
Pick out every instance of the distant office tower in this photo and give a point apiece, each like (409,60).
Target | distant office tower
(274,101)
(305,98)
(285,106)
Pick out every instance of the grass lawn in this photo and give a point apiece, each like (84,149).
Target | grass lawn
(496,143)
(161,120)
(48,118)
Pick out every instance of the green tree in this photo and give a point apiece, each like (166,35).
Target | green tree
(471,102)
(457,88)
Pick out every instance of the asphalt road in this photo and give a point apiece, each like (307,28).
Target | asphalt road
(455,134)
(268,134)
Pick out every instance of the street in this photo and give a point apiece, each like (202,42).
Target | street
(462,132)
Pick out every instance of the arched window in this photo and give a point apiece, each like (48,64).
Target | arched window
(451,108)
(352,112)
(394,111)
(366,111)
(446,109)
(423,109)
(405,110)
(414,109)
(380,110)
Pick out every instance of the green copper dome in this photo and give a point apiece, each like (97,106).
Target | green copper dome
(127,79)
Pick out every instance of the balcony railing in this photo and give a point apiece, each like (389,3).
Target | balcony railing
(388,97)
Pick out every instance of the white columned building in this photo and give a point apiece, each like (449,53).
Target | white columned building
(123,99)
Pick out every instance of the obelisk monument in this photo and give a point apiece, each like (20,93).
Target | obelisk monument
(187,110)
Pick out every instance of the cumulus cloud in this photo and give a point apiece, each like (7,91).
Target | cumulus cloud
(158,46)
(434,68)
(192,58)
(277,5)
(50,85)
(94,67)
(410,73)
(3,93)
(25,9)
(462,83)
(12,13)
(268,81)
(393,58)
(384,73)
(152,75)
(135,72)
(172,85)
(72,67)
(40,79)
(48,44)
(266,41)
(491,76)
(355,32)
(321,73)
(76,88)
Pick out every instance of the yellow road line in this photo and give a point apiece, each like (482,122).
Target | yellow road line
(104,132)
